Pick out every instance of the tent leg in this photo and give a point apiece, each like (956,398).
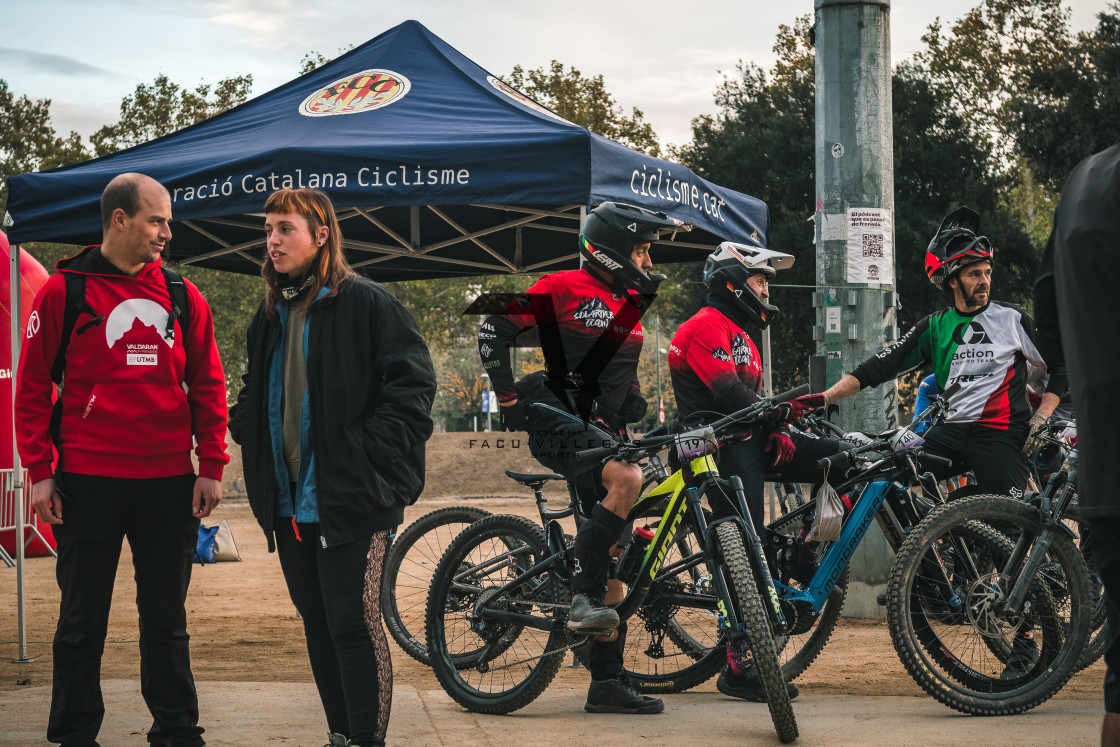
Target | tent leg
(35,531)
(17,479)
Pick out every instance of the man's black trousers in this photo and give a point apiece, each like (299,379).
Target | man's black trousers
(995,455)
(155,515)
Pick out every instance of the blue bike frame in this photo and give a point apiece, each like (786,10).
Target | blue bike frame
(838,556)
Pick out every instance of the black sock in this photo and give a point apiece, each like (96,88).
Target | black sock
(592,550)
(606,656)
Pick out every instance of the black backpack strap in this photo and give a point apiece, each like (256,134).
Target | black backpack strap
(75,306)
(180,303)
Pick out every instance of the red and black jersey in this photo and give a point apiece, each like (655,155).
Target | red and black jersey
(714,365)
(134,401)
(590,332)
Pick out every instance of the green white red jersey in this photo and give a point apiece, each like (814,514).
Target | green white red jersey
(987,351)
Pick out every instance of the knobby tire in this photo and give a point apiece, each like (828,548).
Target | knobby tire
(485,664)
(953,643)
(755,620)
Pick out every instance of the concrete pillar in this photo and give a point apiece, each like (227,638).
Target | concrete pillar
(855,299)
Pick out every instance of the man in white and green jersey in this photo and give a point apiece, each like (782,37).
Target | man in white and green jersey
(983,345)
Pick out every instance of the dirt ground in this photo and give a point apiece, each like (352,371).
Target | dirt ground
(244,629)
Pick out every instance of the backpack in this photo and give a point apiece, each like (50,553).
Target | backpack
(76,305)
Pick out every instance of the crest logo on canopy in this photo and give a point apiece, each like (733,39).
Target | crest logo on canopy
(360,92)
(522,98)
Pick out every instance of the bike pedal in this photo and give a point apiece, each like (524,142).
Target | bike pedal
(589,632)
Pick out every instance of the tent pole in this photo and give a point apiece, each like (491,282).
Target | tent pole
(17,469)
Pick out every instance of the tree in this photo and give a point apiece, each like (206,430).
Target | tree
(1070,107)
(28,142)
(983,65)
(762,141)
(164,107)
(939,167)
(587,103)
(315,59)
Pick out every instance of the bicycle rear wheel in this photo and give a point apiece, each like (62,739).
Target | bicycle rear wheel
(794,564)
(674,643)
(407,575)
(751,613)
(485,661)
(944,610)
(1098,635)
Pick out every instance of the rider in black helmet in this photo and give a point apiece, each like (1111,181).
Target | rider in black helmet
(597,306)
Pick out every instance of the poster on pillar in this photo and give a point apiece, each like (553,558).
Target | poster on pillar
(870,246)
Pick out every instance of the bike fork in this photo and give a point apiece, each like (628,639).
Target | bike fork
(762,569)
(1038,548)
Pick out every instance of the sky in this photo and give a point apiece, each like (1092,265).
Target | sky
(665,58)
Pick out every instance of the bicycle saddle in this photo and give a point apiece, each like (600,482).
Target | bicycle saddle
(528,480)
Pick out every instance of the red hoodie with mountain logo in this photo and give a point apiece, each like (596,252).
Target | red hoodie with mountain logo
(133,401)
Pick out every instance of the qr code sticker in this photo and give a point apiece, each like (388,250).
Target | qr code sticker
(873,245)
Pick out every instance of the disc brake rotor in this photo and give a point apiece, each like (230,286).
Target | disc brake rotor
(984,596)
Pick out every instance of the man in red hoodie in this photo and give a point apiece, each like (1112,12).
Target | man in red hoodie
(142,381)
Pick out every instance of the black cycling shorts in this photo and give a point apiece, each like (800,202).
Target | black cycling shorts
(995,455)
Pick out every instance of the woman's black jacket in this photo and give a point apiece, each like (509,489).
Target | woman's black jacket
(370,384)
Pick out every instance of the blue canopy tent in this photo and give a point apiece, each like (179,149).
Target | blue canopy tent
(438,170)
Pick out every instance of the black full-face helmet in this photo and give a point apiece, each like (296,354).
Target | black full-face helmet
(608,238)
(956,245)
(728,268)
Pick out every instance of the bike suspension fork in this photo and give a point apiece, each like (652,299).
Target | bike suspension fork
(1038,548)
(755,551)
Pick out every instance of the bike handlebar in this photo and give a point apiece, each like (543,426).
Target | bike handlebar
(935,461)
(648,445)
(841,459)
(591,456)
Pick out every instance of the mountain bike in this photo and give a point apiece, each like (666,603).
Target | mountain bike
(949,623)
(498,607)
(414,553)
(407,573)
(987,625)
(967,604)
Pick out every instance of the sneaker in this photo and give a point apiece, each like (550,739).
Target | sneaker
(1023,657)
(617,696)
(588,613)
(336,740)
(748,686)
(881,598)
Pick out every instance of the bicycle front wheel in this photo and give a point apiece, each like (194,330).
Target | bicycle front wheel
(483,654)
(949,623)
(407,575)
(748,604)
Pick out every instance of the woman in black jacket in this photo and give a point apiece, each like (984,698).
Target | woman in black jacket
(332,420)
